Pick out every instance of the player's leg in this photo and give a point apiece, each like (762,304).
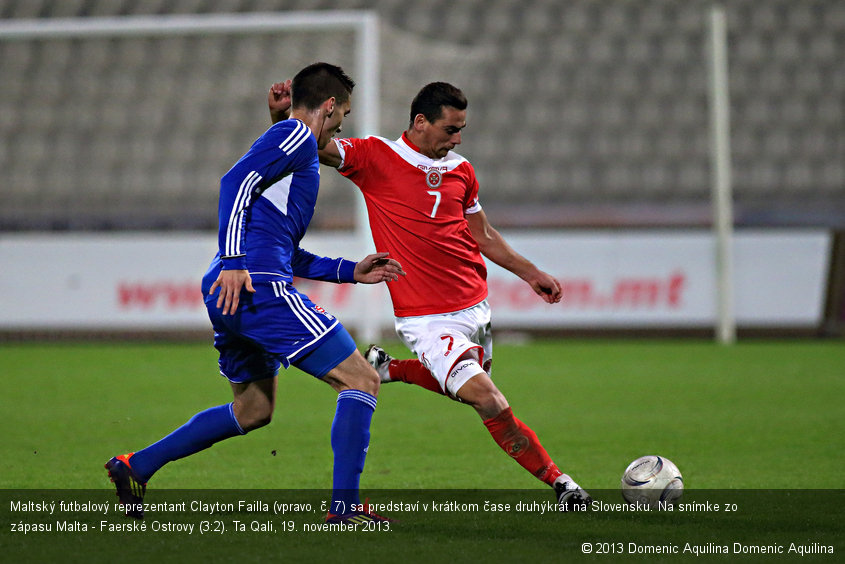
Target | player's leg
(467,336)
(254,402)
(435,339)
(511,434)
(453,348)
(516,438)
(470,382)
(410,371)
(130,472)
(357,388)
(357,385)
(252,408)
(252,373)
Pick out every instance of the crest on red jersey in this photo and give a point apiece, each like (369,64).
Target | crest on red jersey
(433,178)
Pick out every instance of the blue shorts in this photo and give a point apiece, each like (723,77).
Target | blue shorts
(277,325)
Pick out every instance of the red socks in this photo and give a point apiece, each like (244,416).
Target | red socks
(412,371)
(514,436)
(522,444)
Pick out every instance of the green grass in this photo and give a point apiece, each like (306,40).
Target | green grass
(758,415)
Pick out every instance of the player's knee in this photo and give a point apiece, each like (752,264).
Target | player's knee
(491,404)
(354,373)
(255,423)
(362,376)
(254,417)
(482,394)
(367,381)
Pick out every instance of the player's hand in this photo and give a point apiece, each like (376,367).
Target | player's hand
(278,100)
(231,282)
(376,268)
(546,286)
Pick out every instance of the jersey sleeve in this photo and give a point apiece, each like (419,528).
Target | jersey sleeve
(353,156)
(471,202)
(314,267)
(231,215)
(273,155)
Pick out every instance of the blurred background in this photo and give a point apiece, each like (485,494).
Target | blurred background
(584,116)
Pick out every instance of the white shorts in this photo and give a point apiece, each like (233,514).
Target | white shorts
(439,341)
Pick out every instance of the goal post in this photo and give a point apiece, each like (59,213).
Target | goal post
(722,193)
(364,24)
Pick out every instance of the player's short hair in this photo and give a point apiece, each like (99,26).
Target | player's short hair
(433,97)
(318,82)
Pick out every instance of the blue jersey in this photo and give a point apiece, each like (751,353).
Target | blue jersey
(266,203)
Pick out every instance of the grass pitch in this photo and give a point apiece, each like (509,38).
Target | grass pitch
(758,416)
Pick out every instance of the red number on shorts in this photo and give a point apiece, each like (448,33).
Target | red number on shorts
(451,342)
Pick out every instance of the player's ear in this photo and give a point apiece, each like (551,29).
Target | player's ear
(419,122)
(330,106)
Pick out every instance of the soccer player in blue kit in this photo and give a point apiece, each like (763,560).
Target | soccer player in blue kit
(260,320)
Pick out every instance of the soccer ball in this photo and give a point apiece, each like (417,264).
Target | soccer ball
(650,480)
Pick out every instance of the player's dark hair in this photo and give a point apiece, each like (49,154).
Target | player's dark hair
(433,97)
(318,82)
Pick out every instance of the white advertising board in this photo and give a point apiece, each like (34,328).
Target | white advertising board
(610,279)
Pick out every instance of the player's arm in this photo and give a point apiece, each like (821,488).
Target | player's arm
(330,155)
(372,269)
(493,246)
(233,276)
(279,101)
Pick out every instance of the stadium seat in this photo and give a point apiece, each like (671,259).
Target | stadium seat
(594,103)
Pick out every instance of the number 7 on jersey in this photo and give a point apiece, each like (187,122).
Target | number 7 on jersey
(436,195)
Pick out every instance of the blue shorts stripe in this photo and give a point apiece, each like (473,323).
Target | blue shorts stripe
(304,321)
(298,305)
(300,311)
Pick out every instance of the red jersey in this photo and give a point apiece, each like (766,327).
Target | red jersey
(416,206)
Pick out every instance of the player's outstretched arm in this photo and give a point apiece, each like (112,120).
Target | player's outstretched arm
(376,268)
(330,155)
(493,246)
(372,269)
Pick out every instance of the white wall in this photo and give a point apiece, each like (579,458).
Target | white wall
(612,279)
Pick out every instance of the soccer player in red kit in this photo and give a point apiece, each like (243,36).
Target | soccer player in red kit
(423,207)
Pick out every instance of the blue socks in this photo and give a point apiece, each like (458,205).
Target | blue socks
(200,432)
(350,440)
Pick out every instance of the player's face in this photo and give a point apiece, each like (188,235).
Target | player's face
(332,125)
(443,134)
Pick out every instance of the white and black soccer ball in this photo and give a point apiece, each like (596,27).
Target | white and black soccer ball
(652,479)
